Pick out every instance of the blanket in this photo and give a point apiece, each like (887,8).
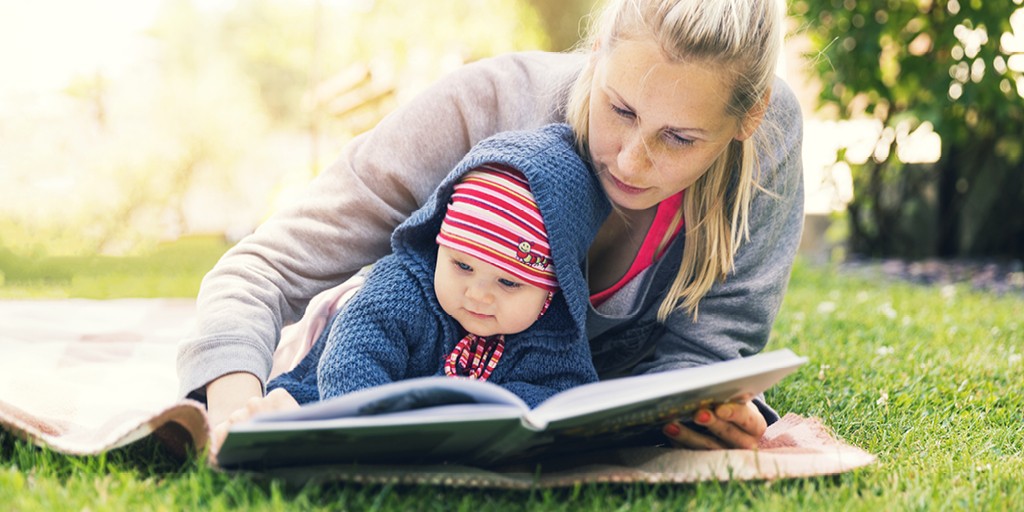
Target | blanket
(82,377)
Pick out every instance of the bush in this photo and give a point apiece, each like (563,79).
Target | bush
(955,67)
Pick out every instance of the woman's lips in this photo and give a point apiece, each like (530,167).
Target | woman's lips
(629,189)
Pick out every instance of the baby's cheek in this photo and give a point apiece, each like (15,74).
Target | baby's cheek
(524,312)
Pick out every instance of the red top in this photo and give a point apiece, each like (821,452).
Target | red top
(646,256)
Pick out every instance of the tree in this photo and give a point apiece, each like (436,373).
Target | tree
(336,68)
(953,66)
(564,21)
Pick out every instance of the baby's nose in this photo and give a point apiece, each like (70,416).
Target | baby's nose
(480,292)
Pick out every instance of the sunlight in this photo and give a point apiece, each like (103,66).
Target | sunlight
(1012,44)
(828,182)
(45,50)
(123,122)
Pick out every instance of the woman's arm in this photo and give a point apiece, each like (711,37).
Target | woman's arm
(349,211)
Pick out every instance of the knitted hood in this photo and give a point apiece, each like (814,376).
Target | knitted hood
(567,193)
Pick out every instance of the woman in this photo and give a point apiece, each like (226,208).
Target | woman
(694,141)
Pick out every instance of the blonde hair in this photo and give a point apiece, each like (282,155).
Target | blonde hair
(743,38)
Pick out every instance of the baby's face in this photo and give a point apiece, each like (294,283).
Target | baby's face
(484,299)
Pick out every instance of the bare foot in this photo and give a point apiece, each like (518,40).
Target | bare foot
(276,400)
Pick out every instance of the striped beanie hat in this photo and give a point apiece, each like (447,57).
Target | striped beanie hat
(493,216)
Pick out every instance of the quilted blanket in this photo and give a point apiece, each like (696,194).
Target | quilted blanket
(83,376)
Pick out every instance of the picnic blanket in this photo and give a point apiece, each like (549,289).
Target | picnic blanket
(82,377)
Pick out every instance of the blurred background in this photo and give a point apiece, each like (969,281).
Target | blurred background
(128,124)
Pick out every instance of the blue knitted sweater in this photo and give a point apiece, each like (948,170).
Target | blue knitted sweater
(394,328)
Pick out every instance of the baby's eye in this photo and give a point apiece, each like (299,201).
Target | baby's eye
(509,284)
(462,266)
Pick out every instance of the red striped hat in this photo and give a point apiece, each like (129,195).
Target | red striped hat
(493,216)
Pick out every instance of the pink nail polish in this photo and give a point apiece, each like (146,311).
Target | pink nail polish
(703,417)
(671,430)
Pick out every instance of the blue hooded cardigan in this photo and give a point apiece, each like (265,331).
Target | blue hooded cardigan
(394,328)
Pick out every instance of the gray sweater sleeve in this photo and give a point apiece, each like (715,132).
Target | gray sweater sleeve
(348,213)
(736,316)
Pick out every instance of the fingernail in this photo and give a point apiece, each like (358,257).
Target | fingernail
(671,430)
(703,417)
(724,412)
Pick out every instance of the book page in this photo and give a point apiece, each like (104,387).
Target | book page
(653,397)
(389,401)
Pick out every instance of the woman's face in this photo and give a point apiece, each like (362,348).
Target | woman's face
(655,126)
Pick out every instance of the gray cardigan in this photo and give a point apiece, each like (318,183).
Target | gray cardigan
(382,176)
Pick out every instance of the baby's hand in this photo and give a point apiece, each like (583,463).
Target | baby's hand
(276,400)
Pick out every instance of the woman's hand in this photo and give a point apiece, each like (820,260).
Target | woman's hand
(224,396)
(729,425)
(276,400)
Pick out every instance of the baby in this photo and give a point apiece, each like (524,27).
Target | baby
(485,281)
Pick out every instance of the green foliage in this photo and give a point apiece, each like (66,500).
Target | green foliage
(952,65)
(566,21)
(289,49)
(931,380)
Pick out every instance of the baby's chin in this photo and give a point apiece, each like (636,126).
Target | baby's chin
(487,326)
(483,333)
(482,329)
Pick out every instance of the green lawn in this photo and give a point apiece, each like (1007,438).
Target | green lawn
(930,379)
(171,270)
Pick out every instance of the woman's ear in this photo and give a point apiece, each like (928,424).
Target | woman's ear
(754,117)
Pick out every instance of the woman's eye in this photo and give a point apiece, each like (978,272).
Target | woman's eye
(462,266)
(675,138)
(509,284)
(621,112)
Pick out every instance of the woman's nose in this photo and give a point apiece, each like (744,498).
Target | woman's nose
(634,157)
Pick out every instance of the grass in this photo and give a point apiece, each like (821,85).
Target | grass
(930,379)
(171,270)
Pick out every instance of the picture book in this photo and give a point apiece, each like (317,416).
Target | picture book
(444,419)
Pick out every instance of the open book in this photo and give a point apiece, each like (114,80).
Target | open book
(444,419)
